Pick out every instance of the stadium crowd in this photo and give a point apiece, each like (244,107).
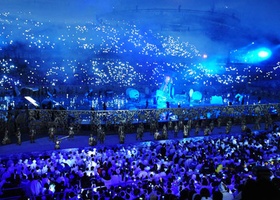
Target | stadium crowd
(227,167)
(244,166)
(104,52)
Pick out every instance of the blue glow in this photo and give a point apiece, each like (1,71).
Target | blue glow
(258,55)
(211,67)
(264,53)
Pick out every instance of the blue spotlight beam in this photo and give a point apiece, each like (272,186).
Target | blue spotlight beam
(258,55)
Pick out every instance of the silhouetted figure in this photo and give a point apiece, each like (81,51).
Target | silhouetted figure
(57,143)
(104,106)
(71,132)
(176,130)
(140,132)
(259,99)
(91,141)
(100,134)
(186,131)
(275,128)
(51,133)
(164,132)
(18,134)
(6,139)
(167,104)
(32,135)
(121,133)
(147,104)
(157,135)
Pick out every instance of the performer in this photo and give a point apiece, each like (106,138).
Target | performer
(100,134)
(142,127)
(157,135)
(243,126)
(170,125)
(153,127)
(181,124)
(186,130)
(189,123)
(206,131)
(6,139)
(71,132)
(57,143)
(18,134)
(122,137)
(257,125)
(268,122)
(167,86)
(176,130)
(104,106)
(91,140)
(32,135)
(51,133)
(228,126)
(239,99)
(197,128)
(147,104)
(121,133)
(212,126)
(164,132)
(140,132)
(219,122)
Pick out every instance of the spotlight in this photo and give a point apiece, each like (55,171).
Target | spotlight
(264,53)
(32,101)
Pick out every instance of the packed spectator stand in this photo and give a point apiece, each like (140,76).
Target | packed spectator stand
(233,166)
(46,58)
